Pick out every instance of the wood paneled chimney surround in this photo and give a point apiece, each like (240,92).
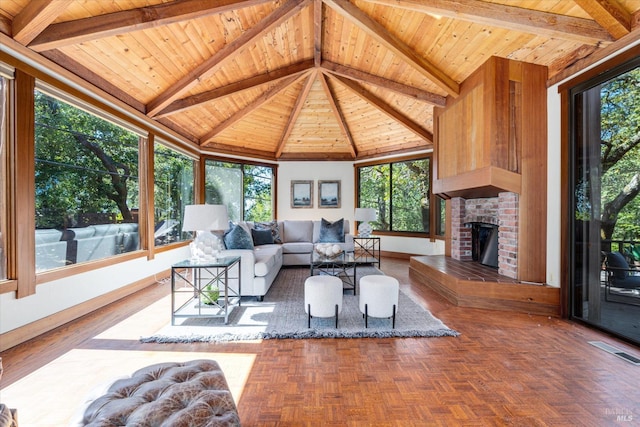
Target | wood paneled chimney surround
(491,140)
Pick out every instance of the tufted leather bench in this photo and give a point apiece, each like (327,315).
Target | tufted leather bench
(190,394)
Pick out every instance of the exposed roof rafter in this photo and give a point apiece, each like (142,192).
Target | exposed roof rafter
(230,50)
(337,111)
(379,33)
(239,86)
(609,15)
(361,76)
(295,112)
(35,17)
(112,24)
(384,107)
(317,32)
(510,17)
(257,103)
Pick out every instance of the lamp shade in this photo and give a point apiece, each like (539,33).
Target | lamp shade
(366,214)
(205,218)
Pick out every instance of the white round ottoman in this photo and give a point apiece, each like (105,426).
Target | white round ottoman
(379,297)
(322,297)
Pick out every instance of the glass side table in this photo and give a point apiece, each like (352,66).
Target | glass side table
(206,292)
(367,249)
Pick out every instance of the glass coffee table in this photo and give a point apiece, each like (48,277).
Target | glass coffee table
(342,266)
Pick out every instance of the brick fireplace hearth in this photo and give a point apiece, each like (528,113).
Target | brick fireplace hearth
(501,211)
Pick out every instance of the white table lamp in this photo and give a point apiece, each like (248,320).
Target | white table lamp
(364,215)
(203,219)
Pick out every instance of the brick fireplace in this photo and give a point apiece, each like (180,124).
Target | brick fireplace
(501,211)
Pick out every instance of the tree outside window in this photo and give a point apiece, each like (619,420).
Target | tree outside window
(399,192)
(173,190)
(86,185)
(245,189)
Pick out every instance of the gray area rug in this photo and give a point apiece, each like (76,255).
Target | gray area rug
(281,315)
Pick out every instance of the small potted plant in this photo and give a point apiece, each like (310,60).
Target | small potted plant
(210,294)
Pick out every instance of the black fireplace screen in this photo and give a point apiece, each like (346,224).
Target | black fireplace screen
(484,243)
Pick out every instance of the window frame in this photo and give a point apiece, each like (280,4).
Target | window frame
(165,145)
(242,163)
(420,156)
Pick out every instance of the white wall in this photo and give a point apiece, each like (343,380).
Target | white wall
(59,295)
(343,171)
(553,187)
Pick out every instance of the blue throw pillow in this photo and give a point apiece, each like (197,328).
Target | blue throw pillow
(331,232)
(273,226)
(261,237)
(237,238)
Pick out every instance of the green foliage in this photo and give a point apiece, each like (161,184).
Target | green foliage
(173,190)
(246,190)
(399,192)
(620,156)
(83,167)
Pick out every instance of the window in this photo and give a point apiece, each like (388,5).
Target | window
(3,173)
(440,217)
(399,192)
(86,185)
(246,189)
(605,199)
(173,189)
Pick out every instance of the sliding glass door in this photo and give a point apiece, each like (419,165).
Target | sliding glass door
(605,180)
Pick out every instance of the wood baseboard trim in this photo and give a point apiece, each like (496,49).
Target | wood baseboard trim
(25,333)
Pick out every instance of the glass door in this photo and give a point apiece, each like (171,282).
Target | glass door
(605,115)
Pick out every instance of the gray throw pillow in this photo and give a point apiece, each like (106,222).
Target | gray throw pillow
(237,238)
(261,237)
(273,226)
(331,232)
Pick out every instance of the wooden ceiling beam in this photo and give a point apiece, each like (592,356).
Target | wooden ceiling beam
(98,81)
(337,111)
(6,26)
(295,113)
(609,14)
(399,48)
(112,24)
(530,21)
(239,86)
(384,108)
(363,77)
(230,50)
(35,17)
(317,32)
(257,103)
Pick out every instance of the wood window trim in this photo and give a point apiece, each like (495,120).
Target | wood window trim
(417,156)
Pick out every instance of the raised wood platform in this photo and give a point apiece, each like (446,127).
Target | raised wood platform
(469,284)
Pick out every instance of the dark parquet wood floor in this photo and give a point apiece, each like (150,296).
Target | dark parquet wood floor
(505,369)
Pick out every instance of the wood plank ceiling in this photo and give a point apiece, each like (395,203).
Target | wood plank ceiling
(306,79)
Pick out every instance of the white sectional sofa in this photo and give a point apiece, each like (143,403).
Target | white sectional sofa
(261,264)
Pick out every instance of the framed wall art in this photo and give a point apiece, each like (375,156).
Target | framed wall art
(329,194)
(301,194)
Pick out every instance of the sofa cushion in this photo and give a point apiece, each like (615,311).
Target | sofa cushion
(298,231)
(266,257)
(331,232)
(237,238)
(273,226)
(261,237)
(297,248)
